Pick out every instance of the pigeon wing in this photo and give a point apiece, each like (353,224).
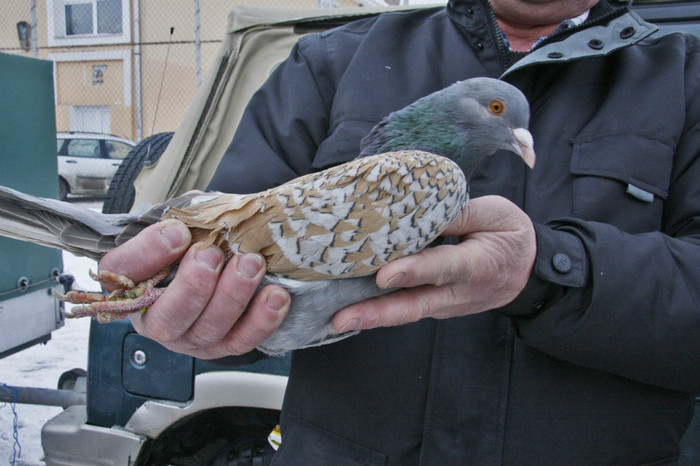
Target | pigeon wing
(342,222)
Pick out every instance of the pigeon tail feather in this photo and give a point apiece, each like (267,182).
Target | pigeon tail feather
(58,224)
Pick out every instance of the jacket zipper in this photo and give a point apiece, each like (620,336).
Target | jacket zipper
(503,52)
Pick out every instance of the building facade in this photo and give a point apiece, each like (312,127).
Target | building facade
(127,67)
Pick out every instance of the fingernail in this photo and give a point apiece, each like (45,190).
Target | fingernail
(210,257)
(174,235)
(249,265)
(276,300)
(351,325)
(396,281)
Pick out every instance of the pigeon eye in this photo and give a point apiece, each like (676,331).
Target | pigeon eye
(497,106)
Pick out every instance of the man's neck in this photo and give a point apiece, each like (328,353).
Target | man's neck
(521,38)
(524,22)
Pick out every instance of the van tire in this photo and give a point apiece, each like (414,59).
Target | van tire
(231,436)
(121,193)
(63,189)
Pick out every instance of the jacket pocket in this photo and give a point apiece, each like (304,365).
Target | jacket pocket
(622,179)
(304,444)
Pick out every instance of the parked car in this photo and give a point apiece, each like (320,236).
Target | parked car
(87,162)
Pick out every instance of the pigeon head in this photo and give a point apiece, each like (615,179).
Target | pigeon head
(464,122)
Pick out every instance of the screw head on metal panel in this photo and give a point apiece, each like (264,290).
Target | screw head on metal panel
(139,357)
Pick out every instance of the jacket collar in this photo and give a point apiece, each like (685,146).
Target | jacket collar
(600,36)
(607,29)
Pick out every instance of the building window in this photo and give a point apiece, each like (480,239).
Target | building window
(95,17)
(88,22)
(78,19)
(109,17)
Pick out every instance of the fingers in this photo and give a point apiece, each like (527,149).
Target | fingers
(425,278)
(149,252)
(224,327)
(486,270)
(235,288)
(397,308)
(210,310)
(498,238)
(186,297)
(433,266)
(266,312)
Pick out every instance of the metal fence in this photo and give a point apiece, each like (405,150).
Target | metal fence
(129,67)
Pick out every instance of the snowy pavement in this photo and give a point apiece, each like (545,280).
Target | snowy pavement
(41,366)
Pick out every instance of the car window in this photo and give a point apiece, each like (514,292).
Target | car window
(83,148)
(116,149)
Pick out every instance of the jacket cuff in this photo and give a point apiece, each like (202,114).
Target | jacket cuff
(561,263)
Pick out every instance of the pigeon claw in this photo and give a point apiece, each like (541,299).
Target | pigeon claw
(106,277)
(128,297)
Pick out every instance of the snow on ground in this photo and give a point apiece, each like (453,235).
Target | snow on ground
(41,366)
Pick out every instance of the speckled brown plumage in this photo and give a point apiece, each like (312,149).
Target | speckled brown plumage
(342,222)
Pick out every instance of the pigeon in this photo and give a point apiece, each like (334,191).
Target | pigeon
(325,234)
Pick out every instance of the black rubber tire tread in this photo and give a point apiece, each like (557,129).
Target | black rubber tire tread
(121,193)
(63,189)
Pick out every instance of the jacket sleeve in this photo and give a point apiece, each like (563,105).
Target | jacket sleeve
(627,304)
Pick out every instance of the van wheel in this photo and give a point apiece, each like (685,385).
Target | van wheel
(63,189)
(121,193)
(232,436)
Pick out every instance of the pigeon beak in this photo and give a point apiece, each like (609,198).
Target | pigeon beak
(523,146)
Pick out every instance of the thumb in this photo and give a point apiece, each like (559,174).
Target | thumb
(487,213)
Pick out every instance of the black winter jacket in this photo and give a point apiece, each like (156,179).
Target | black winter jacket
(595,362)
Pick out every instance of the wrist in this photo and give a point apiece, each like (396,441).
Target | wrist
(560,263)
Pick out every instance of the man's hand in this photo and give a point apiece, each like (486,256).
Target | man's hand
(201,312)
(486,270)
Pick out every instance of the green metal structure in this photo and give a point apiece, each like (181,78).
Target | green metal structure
(28,310)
